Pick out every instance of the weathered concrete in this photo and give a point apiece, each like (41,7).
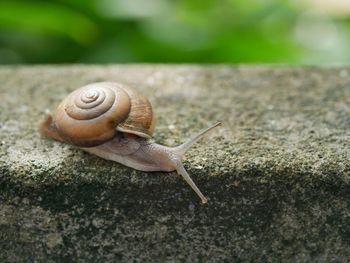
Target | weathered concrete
(277,173)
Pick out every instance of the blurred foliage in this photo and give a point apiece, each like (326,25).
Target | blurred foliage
(178,31)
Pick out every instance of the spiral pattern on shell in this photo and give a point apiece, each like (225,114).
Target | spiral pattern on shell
(90,102)
(92,114)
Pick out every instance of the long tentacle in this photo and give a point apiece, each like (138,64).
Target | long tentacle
(182,171)
(181,149)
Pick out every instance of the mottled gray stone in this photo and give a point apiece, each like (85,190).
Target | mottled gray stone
(277,173)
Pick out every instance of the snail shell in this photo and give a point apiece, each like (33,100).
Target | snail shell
(94,113)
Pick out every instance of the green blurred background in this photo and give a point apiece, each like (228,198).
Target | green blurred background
(175,31)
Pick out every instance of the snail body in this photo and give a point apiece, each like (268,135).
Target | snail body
(116,123)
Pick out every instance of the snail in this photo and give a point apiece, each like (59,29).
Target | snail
(115,122)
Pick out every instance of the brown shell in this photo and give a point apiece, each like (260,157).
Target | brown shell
(92,114)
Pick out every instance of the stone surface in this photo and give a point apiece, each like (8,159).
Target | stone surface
(277,173)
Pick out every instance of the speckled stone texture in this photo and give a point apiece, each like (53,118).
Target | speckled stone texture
(277,173)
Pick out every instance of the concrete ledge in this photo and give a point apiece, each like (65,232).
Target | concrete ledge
(277,173)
